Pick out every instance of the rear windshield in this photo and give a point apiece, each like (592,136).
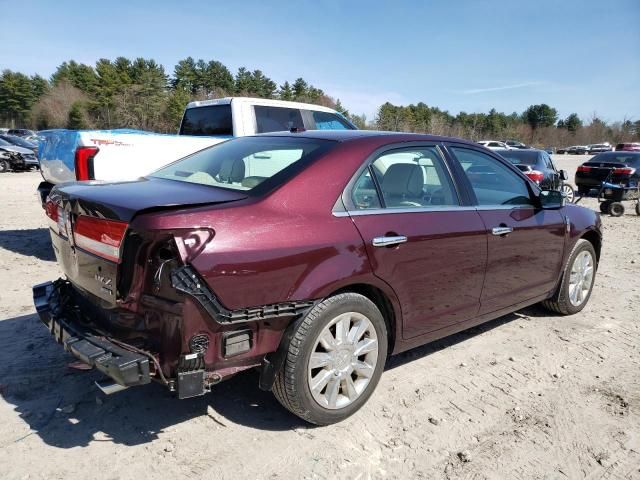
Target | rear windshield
(207,121)
(628,158)
(246,163)
(521,157)
(277,119)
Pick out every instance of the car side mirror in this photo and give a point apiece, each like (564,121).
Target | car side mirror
(563,175)
(551,199)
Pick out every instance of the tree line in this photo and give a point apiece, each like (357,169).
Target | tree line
(124,93)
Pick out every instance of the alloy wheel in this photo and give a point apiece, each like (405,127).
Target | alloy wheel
(581,278)
(343,360)
(568,192)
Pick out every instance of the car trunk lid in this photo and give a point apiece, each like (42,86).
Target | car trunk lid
(89,223)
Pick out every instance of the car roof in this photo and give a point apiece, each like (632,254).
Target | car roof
(259,101)
(348,135)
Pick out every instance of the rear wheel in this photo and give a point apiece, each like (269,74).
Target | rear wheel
(4,166)
(569,192)
(577,280)
(334,360)
(604,206)
(616,209)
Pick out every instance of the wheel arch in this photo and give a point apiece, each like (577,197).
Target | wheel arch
(594,238)
(384,304)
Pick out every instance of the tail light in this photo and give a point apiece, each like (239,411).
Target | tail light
(584,169)
(535,175)
(55,215)
(99,236)
(84,162)
(624,171)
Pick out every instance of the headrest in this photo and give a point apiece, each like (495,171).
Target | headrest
(231,171)
(403,179)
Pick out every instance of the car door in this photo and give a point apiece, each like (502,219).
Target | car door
(525,243)
(421,239)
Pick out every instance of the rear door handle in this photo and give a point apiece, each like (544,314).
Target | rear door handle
(388,241)
(499,231)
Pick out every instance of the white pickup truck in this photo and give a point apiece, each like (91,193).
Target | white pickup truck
(121,155)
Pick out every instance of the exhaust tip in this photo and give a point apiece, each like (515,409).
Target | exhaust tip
(109,387)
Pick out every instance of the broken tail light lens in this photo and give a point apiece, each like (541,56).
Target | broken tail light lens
(99,236)
(84,162)
(56,217)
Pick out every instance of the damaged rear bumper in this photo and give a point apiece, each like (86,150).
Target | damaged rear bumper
(127,368)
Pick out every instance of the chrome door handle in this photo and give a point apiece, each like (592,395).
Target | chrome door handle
(499,231)
(388,241)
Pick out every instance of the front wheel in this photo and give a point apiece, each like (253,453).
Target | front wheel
(569,192)
(4,166)
(334,360)
(577,280)
(604,206)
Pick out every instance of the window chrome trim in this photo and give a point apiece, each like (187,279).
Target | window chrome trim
(448,208)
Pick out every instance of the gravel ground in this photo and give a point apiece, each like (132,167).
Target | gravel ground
(530,395)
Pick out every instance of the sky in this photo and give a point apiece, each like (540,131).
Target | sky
(578,56)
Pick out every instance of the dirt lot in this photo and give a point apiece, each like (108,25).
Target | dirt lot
(530,395)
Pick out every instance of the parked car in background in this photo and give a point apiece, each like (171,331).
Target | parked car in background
(310,256)
(14,157)
(494,145)
(515,144)
(21,132)
(562,150)
(539,167)
(600,148)
(3,130)
(578,150)
(628,147)
(620,168)
(119,155)
(21,142)
(549,150)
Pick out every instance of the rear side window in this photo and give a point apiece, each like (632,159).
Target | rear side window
(407,178)
(277,119)
(329,121)
(493,183)
(207,121)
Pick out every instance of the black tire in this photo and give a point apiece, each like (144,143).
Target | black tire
(291,385)
(560,302)
(604,206)
(638,208)
(616,209)
(4,166)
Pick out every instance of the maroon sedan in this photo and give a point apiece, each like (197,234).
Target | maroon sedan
(311,256)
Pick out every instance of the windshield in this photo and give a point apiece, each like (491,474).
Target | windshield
(628,158)
(18,141)
(521,157)
(244,163)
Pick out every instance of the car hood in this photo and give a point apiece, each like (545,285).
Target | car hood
(16,149)
(124,200)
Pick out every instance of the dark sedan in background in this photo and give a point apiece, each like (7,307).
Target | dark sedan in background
(539,167)
(310,256)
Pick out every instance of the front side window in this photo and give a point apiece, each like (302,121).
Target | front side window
(244,163)
(407,178)
(277,119)
(329,121)
(493,183)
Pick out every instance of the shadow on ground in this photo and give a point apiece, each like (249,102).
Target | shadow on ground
(35,378)
(34,242)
